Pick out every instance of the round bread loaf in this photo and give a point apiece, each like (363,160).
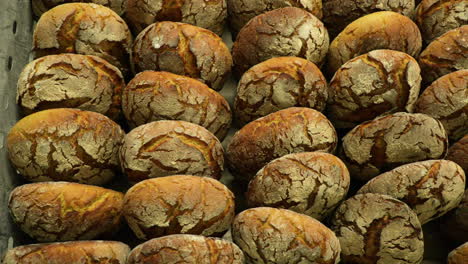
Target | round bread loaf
(337,14)
(311,183)
(153,96)
(66,144)
(185,50)
(279,83)
(63,211)
(279,236)
(76,252)
(455,224)
(458,153)
(389,141)
(241,11)
(41,6)
(435,17)
(431,188)
(187,249)
(379,30)
(179,204)
(378,82)
(446,99)
(458,255)
(376,228)
(288,31)
(84,28)
(165,148)
(446,54)
(70,80)
(292,130)
(209,14)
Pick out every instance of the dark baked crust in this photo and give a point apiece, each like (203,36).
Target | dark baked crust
(458,255)
(458,153)
(455,224)
(39,7)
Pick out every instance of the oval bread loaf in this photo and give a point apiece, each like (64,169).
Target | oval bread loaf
(458,153)
(458,255)
(454,225)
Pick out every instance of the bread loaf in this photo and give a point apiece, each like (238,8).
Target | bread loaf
(458,153)
(454,225)
(458,255)
(41,6)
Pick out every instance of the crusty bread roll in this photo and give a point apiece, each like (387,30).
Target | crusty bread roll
(41,6)
(458,153)
(458,255)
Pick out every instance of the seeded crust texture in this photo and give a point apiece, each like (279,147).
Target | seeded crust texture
(311,183)
(292,130)
(66,145)
(455,224)
(458,255)
(76,252)
(185,50)
(187,249)
(458,153)
(63,211)
(279,83)
(84,28)
(376,83)
(389,141)
(288,31)
(153,96)
(41,6)
(179,204)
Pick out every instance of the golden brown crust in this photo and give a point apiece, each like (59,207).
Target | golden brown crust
(84,28)
(63,211)
(278,236)
(41,6)
(179,204)
(458,255)
(279,83)
(76,252)
(288,31)
(380,30)
(458,153)
(153,96)
(66,144)
(292,130)
(185,50)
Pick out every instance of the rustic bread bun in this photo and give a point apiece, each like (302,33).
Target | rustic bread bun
(288,31)
(83,28)
(66,145)
(376,228)
(153,96)
(41,6)
(179,204)
(446,99)
(458,153)
(386,142)
(378,82)
(270,235)
(455,224)
(311,183)
(379,30)
(446,54)
(458,255)
(279,83)
(70,80)
(165,148)
(209,14)
(187,249)
(76,252)
(185,50)
(63,211)
(292,130)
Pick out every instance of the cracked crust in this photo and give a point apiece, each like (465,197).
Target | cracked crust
(337,14)
(279,236)
(311,183)
(380,30)
(209,14)
(446,99)
(435,17)
(292,130)
(76,252)
(458,153)
(166,147)
(66,144)
(63,211)
(288,31)
(179,204)
(431,188)
(279,83)
(185,50)
(376,83)
(153,96)
(455,224)
(187,249)
(376,228)
(39,7)
(73,81)
(83,28)
(446,54)
(458,255)
(390,141)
